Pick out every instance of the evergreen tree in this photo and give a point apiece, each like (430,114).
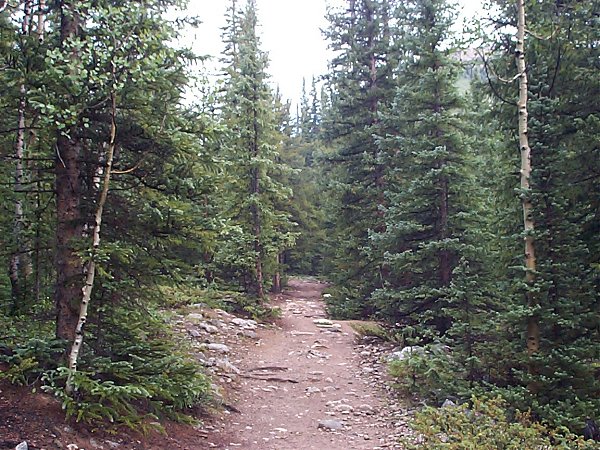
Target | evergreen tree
(361,85)
(426,216)
(101,77)
(301,152)
(560,297)
(259,231)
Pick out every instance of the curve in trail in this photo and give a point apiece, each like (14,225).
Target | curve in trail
(302,386)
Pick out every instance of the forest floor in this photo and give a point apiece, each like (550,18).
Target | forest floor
(304,383)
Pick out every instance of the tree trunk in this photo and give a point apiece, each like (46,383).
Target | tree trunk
(443,322)
(91,264)
(41,19)
(533,328)
(69,228)
(20,264)
(257,229)
(256,219)
(276,288)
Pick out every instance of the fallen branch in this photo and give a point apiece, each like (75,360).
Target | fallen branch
(276,368)
(269,378)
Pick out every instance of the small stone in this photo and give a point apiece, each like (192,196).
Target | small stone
(330,425)
(280,430)
(246,324)
(94,443)
(312,390)
(366,409)
(22,446)
(323,322)
(448,404)
(226,366)
(194,333)
(195,316)
(221,348)
(209,328)
(343,408)
(249,334)
(405,353)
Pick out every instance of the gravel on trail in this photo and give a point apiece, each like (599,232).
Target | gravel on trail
(309,383)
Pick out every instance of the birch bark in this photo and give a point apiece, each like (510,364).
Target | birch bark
(533,328)
(20,264)
(91,264)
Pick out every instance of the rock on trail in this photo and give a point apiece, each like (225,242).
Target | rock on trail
(307,385)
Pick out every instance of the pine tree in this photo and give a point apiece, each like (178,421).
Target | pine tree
(560,295)
(361,85)
(424,237)
(262,231)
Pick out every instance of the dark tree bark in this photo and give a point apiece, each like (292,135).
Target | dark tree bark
(69,229)
(257,287)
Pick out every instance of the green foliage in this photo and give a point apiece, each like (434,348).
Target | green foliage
(429,372)
(343,304)
(27,362)
(371,329)
(487,424)
(257,228)
(182,295)
(137,370)
(253,307)
(95,401)
(19,371)
(361,85)
(402,192)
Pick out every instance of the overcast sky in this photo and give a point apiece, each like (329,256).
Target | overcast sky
(290,33)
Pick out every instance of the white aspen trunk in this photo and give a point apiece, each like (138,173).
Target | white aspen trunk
(533,328)
(91,265)
(276,289)
(18,258)
(41,20)
(19,261)
(41,33)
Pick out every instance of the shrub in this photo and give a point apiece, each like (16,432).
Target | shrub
(364,329)
(132,369)
(26,362)
(430,373)
(486,425)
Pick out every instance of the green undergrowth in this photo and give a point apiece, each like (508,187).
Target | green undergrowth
(184,297)
(341,304)
(255,308)
(430,373)
(372,329)
(433,373)
(133,371)
(489,424)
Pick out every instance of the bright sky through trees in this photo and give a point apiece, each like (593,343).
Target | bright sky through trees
(290,33)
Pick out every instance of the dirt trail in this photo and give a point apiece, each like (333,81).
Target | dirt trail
(301,382)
